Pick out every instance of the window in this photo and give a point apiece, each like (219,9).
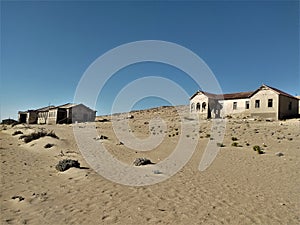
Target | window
(290,105)
(203,106)
(247,105)
(270,103)
(257,103)
(198,106)
(234,105)
(192,107)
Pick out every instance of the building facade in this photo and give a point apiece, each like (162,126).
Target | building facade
(265,102)
(67,113)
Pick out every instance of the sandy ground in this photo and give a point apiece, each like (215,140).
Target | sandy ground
(240,186)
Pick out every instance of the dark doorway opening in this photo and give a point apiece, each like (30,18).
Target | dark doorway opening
(61,116)
(23,117)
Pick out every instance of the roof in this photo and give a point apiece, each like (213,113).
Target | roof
(45,108)
(241,95)
(71,105)
(276,90)
(67,105)
(237,95)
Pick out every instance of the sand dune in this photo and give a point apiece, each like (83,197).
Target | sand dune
(240,186)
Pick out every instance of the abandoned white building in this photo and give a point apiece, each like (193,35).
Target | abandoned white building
(67,113)
(265,102)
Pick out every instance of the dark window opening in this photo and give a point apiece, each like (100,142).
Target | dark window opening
(247,105)
(192,107)
(257,103)
(234,105)
(198,106)
(270,103)
(203,106)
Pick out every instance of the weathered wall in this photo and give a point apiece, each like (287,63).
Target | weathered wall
(82,114)
(284,110)
(264,111)
(52,117)
(240,107)
(32,117)
(200,98)
(42,117)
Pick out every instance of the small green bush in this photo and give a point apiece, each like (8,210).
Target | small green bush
(258,149)
(234,139)
(207,135)
(235,144)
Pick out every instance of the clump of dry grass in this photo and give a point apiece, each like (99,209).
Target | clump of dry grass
(236,144)
(17,132)
(66,164)
(36,135)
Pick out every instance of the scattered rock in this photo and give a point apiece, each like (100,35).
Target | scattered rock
(141,162)
(130,117)
(157,172)
(103,120)
(18,197)
(101,137)
(120,143)
(48,145)
(279,154)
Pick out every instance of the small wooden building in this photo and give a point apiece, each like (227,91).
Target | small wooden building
(31,116)
(67,113)
(71,113)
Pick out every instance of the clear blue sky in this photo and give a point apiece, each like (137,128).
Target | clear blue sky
(47,46)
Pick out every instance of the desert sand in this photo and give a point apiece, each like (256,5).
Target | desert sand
(239,187)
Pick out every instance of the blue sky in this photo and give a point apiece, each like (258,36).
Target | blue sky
(47,46)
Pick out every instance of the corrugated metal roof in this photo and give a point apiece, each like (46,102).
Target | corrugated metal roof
(67,106)
(45,108)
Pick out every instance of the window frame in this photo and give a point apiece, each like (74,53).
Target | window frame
(257,103)
(247,104)
(234,105)
(270,103)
